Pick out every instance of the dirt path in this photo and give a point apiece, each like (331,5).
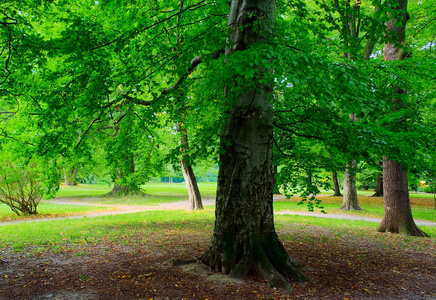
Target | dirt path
(180,205)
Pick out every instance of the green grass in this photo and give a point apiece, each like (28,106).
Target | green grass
(155,193)
(47,209)
(140,226)
(422,208)
(82,190)
(134,227)
(159,226)
(207,189)
(370,193)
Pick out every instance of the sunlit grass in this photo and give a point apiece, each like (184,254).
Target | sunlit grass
(49,210)
(82,190)
(162,226)
(422,208)
(207,189)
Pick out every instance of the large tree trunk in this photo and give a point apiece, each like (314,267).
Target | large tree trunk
(244,238)
(397,210)
(70,176)
(398,213)
(349,201)
(188,172)
(336,185)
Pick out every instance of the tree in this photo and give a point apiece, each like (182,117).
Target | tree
(397,210)
(336,185)
(244,238)
(188,172)
(70,175)
(125,63)
(350,191)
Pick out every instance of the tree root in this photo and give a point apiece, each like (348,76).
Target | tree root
(351,206)
(268,260)
(406,229)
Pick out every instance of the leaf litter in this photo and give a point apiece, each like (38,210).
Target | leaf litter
(342,265)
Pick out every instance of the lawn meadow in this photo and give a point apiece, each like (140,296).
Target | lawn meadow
(124,256)
(86,196)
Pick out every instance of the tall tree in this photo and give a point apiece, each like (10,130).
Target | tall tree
(244,238)
(397,209)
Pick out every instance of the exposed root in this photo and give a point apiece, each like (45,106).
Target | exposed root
(121,192)
(405,229)
(274,278)
(175,262)
(268,260)
(377,195)
(350,206)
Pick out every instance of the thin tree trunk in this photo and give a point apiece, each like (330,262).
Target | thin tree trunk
(276,188)
(185,162)
(397,210)
(70,176)
(244,239)
(191,185)
(188,172)
(379,186)
(349,201)
(336,185)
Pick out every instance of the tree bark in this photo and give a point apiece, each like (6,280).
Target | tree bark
(188,172)
(397,210)
(336,185)
(244,238)
(349,201)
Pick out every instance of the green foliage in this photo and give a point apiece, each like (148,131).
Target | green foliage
(101,86)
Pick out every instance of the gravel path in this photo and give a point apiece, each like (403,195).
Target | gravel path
(181,205)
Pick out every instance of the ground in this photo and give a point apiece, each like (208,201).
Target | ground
(352,267)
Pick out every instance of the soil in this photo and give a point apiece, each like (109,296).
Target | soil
(345,268)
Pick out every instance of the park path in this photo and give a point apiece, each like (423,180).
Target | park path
(115,209)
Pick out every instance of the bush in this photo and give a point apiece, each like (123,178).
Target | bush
(20,188)
(428,189)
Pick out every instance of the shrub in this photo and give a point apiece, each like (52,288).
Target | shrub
(428,189)
(20,187)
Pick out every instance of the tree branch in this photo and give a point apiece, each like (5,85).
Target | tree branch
(296,133)
(87,130)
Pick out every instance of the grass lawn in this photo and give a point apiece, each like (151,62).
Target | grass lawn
(137,227)
(422,208)
(48,210)
(122,256)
